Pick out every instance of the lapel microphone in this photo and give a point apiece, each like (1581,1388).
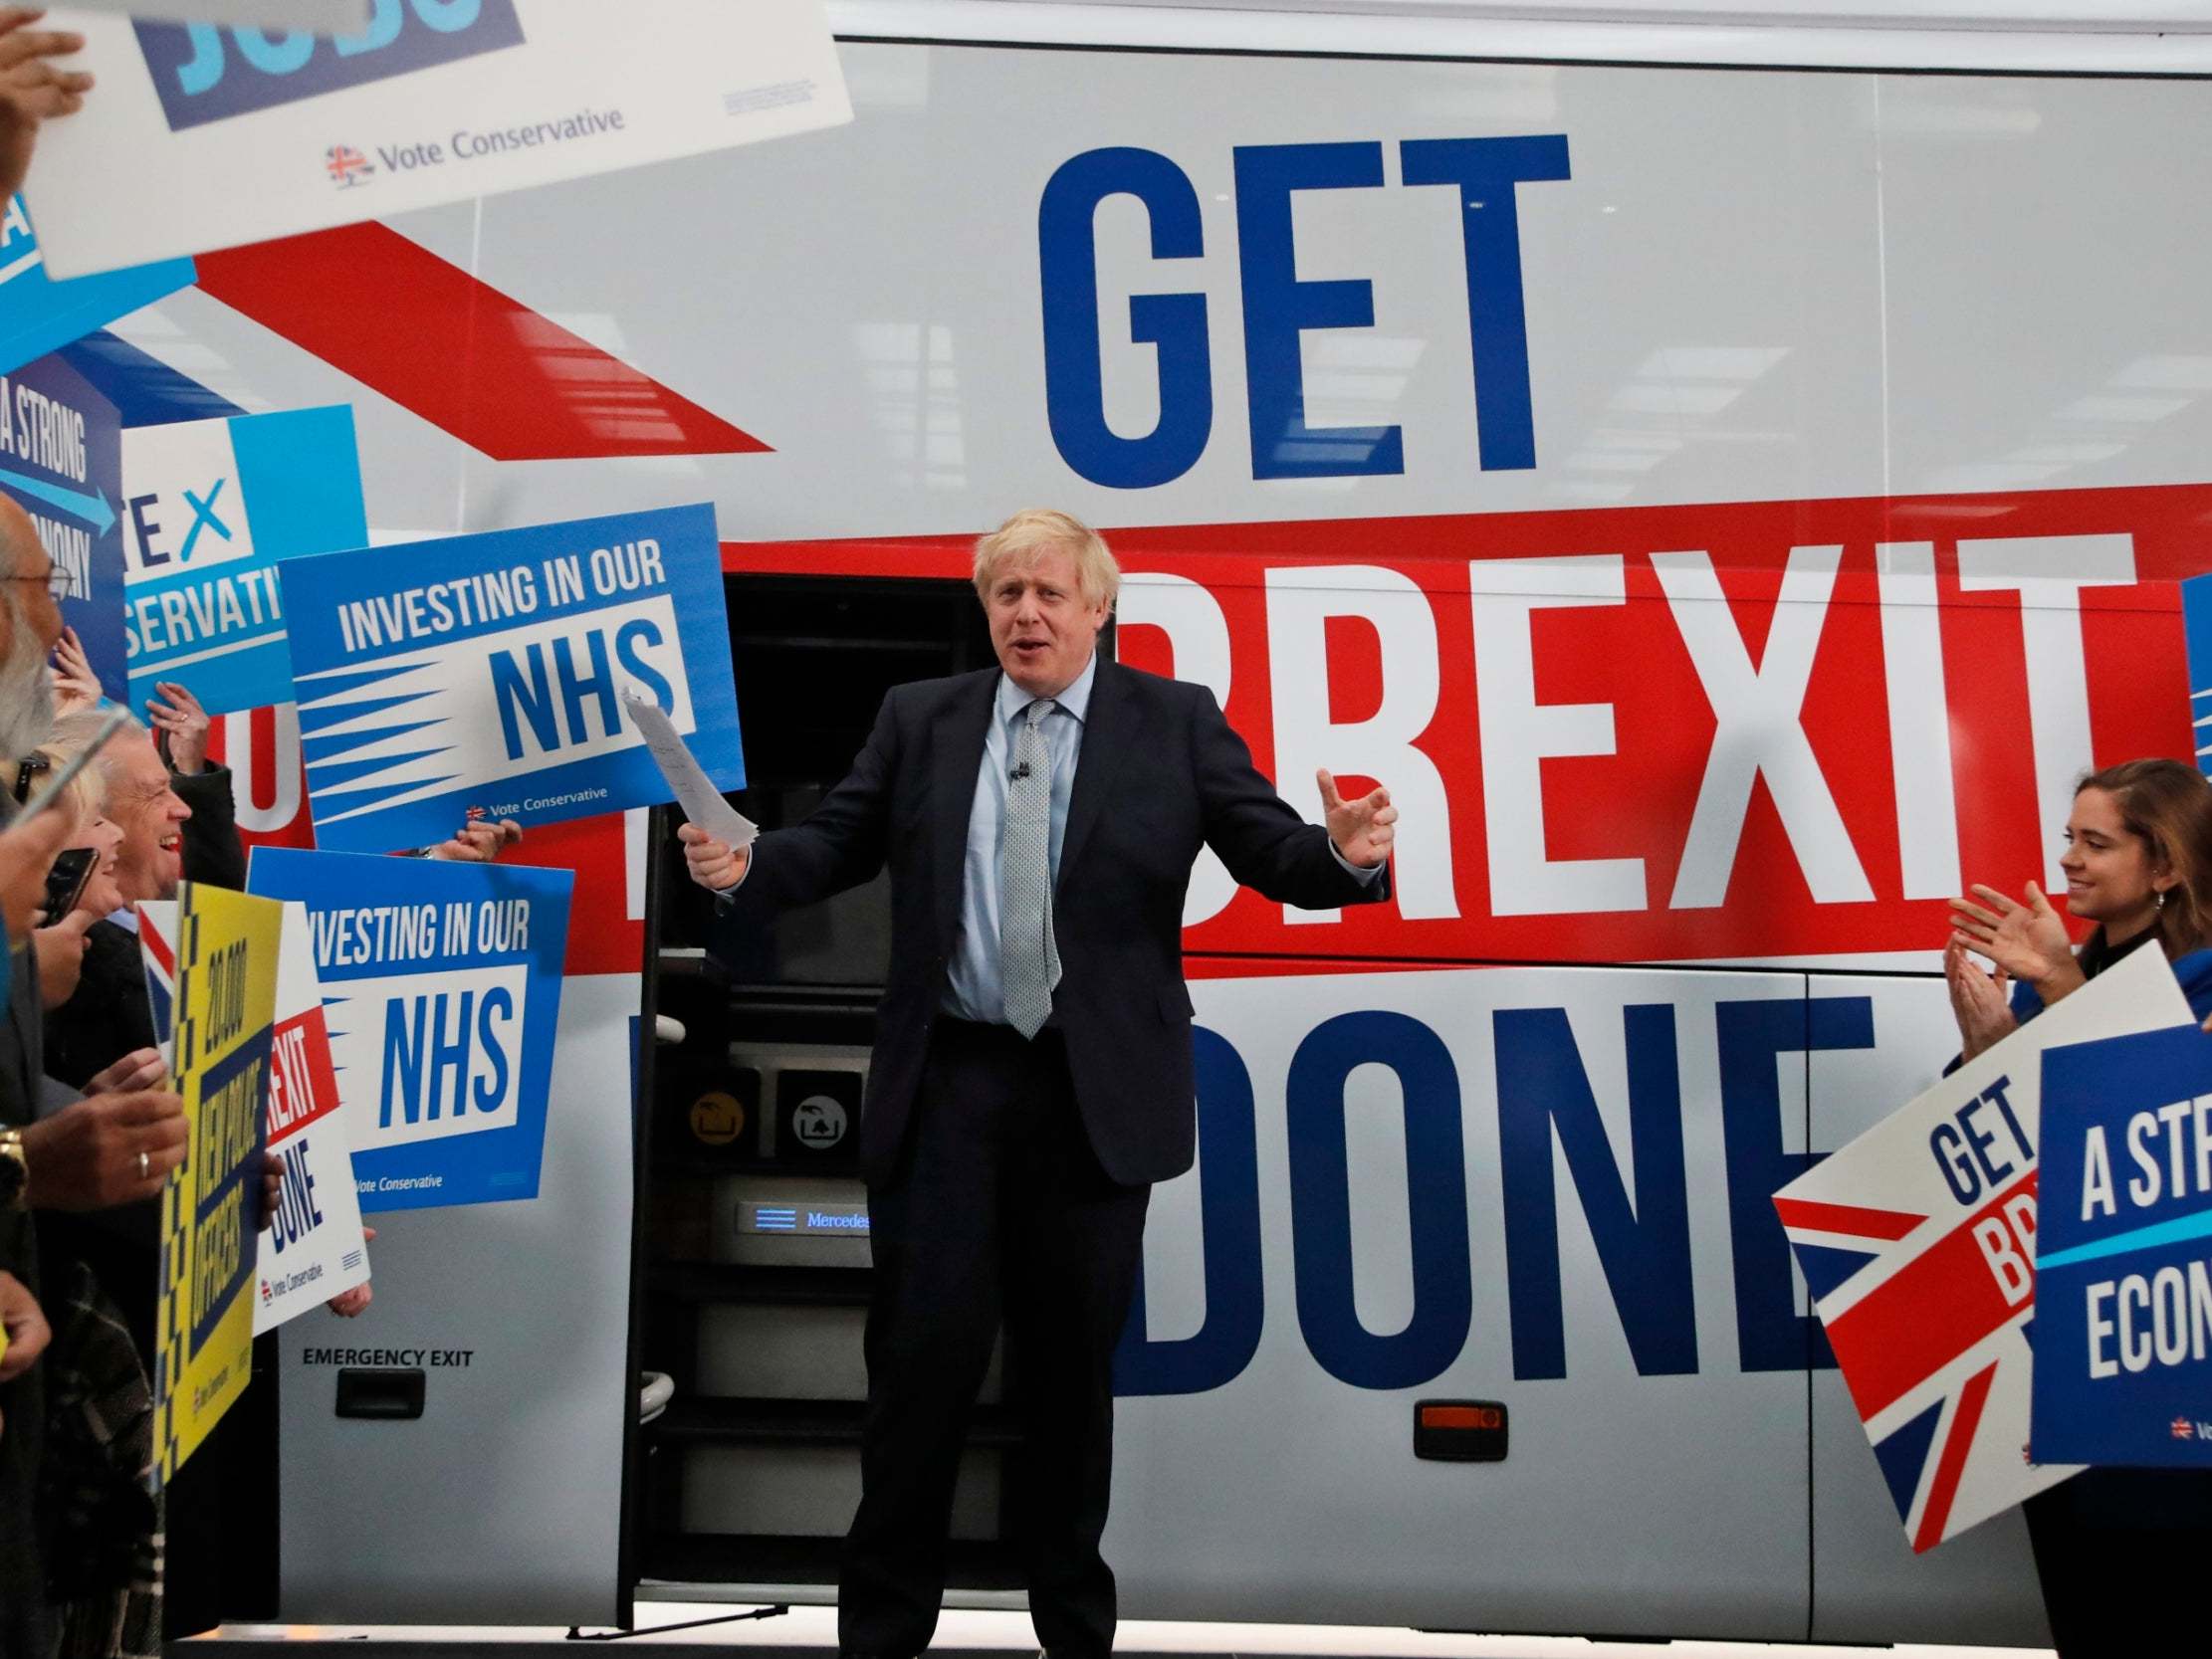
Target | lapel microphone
(1019,772)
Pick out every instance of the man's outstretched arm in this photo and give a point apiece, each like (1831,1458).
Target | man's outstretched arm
(1265,844)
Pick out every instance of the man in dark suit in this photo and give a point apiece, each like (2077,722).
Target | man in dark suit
(1032,1068)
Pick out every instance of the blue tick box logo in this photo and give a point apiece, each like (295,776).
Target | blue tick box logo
(206,74)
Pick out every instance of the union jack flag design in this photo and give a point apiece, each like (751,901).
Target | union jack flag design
(1933,1350)
(157,957)
(1917,1242)
(346,166)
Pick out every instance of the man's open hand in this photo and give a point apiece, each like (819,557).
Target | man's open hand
(1361,829)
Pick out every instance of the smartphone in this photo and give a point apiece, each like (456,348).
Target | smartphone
(62,779)
(66,880)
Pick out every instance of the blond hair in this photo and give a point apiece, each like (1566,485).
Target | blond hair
(84,798)
(1037,531)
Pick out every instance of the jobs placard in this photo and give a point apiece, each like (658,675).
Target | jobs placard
(1917,1242)
(226,999)
(442,989)
(211,137)
(485,675)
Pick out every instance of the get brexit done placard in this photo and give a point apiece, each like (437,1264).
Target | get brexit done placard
(441,985)
(486,673)
(1917,1242)
(209,138)
(311,1248)
(209,507)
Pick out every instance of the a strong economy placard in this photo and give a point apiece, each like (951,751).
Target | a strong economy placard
(1917,1242)
(312,1248)
(442,986)
(38,314)
(2124,1352)
(436,100)
(61,457)
(226,997)
(487,672)
(209,507)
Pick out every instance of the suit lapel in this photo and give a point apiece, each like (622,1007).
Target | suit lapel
(956,756)
(1110,729)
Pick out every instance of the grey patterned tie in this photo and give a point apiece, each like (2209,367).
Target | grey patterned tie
(1028,960)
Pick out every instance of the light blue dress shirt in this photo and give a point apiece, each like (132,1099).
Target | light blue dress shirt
(973,989)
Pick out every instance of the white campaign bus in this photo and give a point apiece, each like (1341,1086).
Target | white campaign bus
(1726,503)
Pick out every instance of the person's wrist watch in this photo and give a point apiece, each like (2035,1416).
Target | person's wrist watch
(15,1171)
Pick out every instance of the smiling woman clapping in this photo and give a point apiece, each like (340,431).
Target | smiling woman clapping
(2138,864)
(2118,1551)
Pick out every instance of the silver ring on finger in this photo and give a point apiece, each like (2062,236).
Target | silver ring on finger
(145,1165)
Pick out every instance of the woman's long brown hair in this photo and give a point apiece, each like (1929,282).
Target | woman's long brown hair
(2168,803)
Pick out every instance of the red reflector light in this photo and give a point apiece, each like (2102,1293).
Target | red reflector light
(1459,1431)
(1461,1416)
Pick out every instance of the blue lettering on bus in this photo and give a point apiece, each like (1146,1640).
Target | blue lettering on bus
(1771,1335)
(1643,1242)
(1229,1186)
(1279,307)
(1173,324)
(1544,1092)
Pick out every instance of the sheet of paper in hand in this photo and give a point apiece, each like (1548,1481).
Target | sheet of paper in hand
(2124,1271)
(212,137)
(211,506)
(443,983)
(487,672)
(1917,1243)
(226,999)
(311,1248)
(693,789)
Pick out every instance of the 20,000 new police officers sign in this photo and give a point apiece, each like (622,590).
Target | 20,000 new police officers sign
(487,672)
(226,1002)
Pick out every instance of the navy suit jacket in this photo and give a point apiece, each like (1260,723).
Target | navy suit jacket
(1161,773)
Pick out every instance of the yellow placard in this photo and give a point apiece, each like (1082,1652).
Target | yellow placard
(226,1001)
